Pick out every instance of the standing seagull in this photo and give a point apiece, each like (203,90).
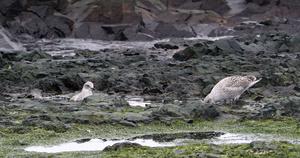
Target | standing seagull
(230,88)
(85,92)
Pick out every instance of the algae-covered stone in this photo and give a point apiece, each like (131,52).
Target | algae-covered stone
(119,146)
(258,145)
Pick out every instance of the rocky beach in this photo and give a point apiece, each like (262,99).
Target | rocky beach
(167,55)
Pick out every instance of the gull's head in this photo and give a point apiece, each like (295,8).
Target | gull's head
(88,85)
(208,99)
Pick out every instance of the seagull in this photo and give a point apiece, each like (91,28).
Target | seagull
(85,92)
(230,88)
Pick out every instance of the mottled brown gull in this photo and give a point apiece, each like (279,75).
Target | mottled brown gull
(230,88)
(85,92)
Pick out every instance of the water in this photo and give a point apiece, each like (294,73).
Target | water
(137,101)
(151,140)
(93,145)
(68,46)
(161,140)
(235,138)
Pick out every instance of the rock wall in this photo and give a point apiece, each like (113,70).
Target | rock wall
(146,19)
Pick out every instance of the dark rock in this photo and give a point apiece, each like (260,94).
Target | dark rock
(11,7)
(120,102)
(274,108)
(166,30)
(219,6)
(30,24)
(138,33)
(294,46)
(143,119)
(186,54)
(198,110)
(42,11)
(49,84)
(57,127)
(35,55)
(260,2)
(190,110)
(127,123)
(60,26)
(152,91)
(120,146)
(91,30)
(258,98)
(83,140)
(165,45)
(74,119)
(21,130)
(290,105)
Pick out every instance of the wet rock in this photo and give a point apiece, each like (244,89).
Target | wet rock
(220,47)
(143,119)
(53,19)
(190,110)
(212,5)
(184,55)
(291,106)
(50,84)
(90,30)
(294,46)
(257,145)
(83,140)
(21,130)
(58,127)
(11,7)
(120,146)
(35,55)
(127,123)
(166,30)
(261,145)
(215,149)
(275,108)
(60,26)
(31,24)
(165,45)
(138,33)
(120,102)
(7,43)
(73,119)
(35,23)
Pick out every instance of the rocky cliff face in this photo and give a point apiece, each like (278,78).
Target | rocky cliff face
(146,19)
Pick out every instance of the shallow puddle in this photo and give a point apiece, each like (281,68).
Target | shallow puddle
(93,145)
(137,101)
(231,138)
(151,140)
(161,140)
